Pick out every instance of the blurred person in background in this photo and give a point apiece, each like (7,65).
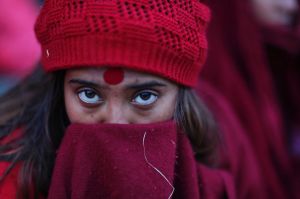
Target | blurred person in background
(280,13)
(19,49)
(253,99)
(280,26)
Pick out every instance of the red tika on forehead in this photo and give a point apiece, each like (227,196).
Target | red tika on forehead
(113,76)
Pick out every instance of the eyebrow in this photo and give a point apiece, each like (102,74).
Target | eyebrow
(130,86)
(145,85)
(84,82)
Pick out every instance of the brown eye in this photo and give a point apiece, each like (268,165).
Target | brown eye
(145,98)
(89,96)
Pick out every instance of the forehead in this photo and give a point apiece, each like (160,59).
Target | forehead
(98,75)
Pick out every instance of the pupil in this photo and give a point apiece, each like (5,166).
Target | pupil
(145,96)
(90,94)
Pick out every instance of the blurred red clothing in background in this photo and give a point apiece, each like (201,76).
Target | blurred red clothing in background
(241,78)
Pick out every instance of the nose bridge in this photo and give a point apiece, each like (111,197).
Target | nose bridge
(114,113)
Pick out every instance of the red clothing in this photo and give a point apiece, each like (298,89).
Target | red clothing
(121,165)
(237,154)
(8,187)
(109,161)
(238,70)
(283,50)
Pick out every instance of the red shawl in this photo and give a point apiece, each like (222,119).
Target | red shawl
(133,161)
(283,53)
(238,70)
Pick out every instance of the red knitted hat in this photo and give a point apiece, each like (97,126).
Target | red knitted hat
(162,37)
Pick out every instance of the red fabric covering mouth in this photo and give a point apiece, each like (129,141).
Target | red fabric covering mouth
(132,161)
(107,161)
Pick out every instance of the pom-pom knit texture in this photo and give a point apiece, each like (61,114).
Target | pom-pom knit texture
(162,37)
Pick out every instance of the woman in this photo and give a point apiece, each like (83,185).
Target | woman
(275,13)
(99,123)
(281,44)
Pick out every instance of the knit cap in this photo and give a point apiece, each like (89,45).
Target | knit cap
(161,37)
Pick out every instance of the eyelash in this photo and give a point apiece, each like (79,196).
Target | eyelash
(85,101)
(151,92)
(154,95)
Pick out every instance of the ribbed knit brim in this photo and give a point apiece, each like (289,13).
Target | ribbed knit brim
(161,37)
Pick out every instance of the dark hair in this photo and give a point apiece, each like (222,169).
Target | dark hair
(36,105)
(194,119)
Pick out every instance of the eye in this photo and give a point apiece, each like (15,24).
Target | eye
(89,96)
(145,98)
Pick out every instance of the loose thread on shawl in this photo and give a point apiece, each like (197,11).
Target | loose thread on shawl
(156,169)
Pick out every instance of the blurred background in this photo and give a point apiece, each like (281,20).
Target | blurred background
(19,50)
(251,82)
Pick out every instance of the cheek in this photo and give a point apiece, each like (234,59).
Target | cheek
(165,107)
(162,111)
(165,110)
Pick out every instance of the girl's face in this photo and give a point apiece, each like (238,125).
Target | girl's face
(275,12)
(136,98)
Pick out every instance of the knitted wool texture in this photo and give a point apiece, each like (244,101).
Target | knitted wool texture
(162,37)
